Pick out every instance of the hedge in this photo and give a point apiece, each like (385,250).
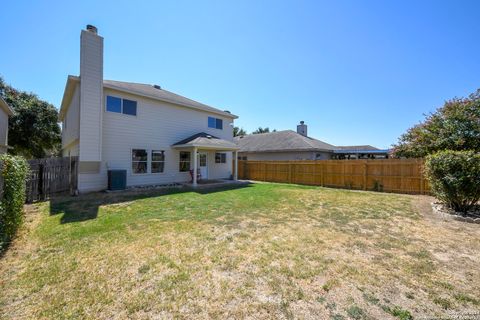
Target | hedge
(454,178)
(13,171)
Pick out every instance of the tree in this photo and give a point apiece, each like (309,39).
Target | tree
(454,177)
(455,126)
(33,130)
(238,131)
(263,130)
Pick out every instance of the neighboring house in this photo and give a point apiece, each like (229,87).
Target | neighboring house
(291,145)
(360,152)
(283,145)
(155,135)
(5,112)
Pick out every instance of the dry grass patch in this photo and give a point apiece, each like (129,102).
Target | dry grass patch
(262,251)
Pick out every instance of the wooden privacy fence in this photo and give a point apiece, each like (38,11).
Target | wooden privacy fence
(388,175)
(1,182)
(51,176)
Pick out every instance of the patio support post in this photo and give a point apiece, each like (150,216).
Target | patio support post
(235,175)
(194,183)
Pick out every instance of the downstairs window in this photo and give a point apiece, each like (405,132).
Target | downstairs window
(184,165)
(220,157)
(139,160)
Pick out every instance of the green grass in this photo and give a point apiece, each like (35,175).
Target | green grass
(263,250)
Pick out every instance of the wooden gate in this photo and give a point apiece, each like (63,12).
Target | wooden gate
(51,176)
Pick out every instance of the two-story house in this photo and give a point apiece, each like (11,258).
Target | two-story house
(5,112)
(157,136)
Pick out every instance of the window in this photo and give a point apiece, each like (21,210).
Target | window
(158,161)
(202,159)
(129,107)
(139,161)
(184,161)
(220,157)
(215,123)
(242,158)
(119,105)
(114,104)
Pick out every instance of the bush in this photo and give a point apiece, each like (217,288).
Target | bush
(14,171)
(455,178)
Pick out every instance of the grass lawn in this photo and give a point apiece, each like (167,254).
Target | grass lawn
(260,251)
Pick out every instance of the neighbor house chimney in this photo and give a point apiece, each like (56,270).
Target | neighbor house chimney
(91,94)
(302,128)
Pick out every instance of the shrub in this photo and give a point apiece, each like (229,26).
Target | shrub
(455,178)
(14,171)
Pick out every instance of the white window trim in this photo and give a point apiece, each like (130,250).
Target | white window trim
(151,161)
(215,159)
(190,167)
(131,162)
(215,123)
(121,106)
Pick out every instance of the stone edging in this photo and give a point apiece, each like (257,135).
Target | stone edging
(440,209)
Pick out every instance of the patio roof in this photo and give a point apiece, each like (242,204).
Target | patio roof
(204,140)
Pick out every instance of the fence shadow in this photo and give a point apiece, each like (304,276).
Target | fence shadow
(86,207)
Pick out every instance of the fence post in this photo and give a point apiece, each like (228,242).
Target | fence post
(289,172)
(365,170)
(1,182)
(402,183)
(421,177)
(322,174)
(40,181)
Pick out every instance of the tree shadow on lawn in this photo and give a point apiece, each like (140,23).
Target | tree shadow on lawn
(85,207)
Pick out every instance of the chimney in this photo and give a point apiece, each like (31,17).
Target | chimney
(91,94)
(92,29)
(302,128)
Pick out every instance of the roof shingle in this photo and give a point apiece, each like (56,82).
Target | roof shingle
(287,140)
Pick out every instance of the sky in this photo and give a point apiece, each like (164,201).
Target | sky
(357,72)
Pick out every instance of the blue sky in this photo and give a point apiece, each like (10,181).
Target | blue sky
(357,72)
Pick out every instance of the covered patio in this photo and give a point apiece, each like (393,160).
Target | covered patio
(209,154)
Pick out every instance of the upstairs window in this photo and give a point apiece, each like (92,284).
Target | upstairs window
(215,123)
(129,107)
(119,105)
(220,157)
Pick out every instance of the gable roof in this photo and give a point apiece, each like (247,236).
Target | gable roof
(205,140)
(143,90)
(5,107)
(287,140)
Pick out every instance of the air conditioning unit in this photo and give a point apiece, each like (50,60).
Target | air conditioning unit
(117,180)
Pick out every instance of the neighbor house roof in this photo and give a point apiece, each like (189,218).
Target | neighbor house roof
(360,149)
(287,140)
(5,107)
(205,141)
(352,148)
(144,90)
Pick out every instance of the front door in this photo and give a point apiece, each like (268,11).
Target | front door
(203,164)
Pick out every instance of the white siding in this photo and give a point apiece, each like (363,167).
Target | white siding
(91,95)
(71,125)
(157,126)
(3,131)
(263,156)
(219,170)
